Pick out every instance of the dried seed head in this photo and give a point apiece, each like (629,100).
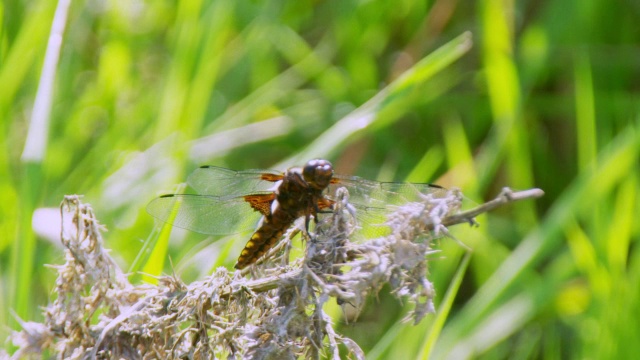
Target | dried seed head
(278,315)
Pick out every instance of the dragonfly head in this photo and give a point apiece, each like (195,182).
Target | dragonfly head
(318,173)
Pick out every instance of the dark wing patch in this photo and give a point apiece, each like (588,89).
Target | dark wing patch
(325,203)
(261,202)
(271,176)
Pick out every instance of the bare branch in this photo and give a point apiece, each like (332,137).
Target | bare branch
(505,197)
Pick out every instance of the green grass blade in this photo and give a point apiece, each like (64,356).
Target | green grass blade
(587,189)
(367,114)
(445,308)
(158,253)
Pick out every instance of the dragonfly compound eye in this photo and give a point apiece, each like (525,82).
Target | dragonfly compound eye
(318,173)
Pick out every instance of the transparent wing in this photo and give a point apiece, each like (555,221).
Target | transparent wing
(374,194)
(228,197)
(373,200)
(217,181)
(206,214)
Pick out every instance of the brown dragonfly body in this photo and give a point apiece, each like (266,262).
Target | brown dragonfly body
(298,194)
(220,207)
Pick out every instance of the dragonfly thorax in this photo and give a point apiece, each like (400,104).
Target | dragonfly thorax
(296,195)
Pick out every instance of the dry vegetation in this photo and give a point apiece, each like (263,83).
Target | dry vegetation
(276,313)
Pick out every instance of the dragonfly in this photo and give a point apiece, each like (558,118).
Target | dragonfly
(230,201)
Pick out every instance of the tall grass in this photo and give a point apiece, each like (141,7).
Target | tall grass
(546,96)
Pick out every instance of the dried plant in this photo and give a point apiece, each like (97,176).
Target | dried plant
(277,313)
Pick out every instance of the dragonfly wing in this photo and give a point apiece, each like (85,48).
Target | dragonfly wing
(410,192)
(376,194)
(217,181)
(205,214)
(373,200)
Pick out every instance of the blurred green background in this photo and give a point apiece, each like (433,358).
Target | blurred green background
(477,95)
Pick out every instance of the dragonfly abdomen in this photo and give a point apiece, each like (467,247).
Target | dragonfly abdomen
(265,237)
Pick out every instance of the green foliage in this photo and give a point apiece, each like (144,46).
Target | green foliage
(547,97)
